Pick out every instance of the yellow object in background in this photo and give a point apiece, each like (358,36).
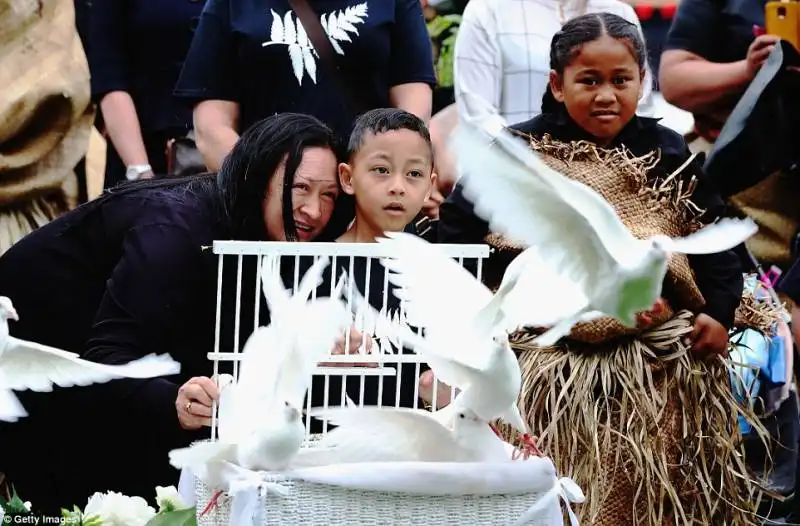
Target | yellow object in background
(783,20)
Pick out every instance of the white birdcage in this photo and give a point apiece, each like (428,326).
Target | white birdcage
(285,499)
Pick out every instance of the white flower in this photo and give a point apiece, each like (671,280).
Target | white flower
(168,499)
(115,509)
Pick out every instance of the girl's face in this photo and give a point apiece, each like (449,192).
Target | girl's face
(600,87)
(314,193)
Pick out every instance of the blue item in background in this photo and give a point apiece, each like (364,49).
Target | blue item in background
(764,361)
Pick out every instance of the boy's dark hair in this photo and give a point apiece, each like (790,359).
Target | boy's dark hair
(583,29)
(383,120)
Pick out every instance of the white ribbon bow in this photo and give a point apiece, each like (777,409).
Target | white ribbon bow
(565,489)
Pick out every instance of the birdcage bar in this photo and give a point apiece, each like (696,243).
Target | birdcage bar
(237,320)
(257,296)
(217,337)
(345,364)
(375,250)
(362,380)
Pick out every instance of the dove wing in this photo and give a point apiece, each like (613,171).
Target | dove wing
(29,365)
(372,434)
(723,235)
(311,279)
(231,414)
(259,366)
(537,280)
(429,282)
(324,321)
(576,230)
(440,295)
(510,153)
(278,298)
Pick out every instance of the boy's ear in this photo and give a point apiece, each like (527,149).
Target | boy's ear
(434,182)
(346,178)
(557,86)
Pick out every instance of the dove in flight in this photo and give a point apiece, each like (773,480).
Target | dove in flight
(576,232)
(465,342)
(260,419)
(399,434)
(26,365)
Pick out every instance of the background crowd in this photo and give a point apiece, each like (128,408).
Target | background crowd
(99,92)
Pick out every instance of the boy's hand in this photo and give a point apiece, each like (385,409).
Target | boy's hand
(357,339)
(709,337)
(443,390)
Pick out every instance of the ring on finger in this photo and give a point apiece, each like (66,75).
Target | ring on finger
(189,407)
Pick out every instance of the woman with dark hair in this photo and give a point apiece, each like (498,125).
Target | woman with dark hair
(126,275)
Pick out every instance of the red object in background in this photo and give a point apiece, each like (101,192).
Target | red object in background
(758,31)
(644,11)
(668,11)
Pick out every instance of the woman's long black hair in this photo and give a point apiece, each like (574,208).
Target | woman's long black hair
(236,193)
(566,45)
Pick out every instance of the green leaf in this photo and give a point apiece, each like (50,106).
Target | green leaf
(184,517)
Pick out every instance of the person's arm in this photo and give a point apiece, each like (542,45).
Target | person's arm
(415,97)
(108,62)
(215,125)
(478,66)
(149,306)
(687,78)
(209,82)
(411,74)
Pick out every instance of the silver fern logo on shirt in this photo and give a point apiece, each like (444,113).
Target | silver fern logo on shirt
(288,31)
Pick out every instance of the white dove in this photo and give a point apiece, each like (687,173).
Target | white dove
(260,421)
(576,232)
(465,343)
(26,365)
(399,434)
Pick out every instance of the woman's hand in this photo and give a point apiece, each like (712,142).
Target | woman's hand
(709,337)
(194,401)
(356,340)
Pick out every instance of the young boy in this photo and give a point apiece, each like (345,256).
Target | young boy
(389,173)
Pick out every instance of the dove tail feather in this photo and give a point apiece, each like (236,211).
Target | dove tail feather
(558,331)
(200,454)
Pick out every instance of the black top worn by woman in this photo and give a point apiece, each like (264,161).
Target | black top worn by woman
(718,276)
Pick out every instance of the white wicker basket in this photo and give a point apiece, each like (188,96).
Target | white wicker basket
(323,504)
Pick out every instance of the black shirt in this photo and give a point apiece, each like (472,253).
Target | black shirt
(114,280)
(138,46)
(718,276)
(256,53)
